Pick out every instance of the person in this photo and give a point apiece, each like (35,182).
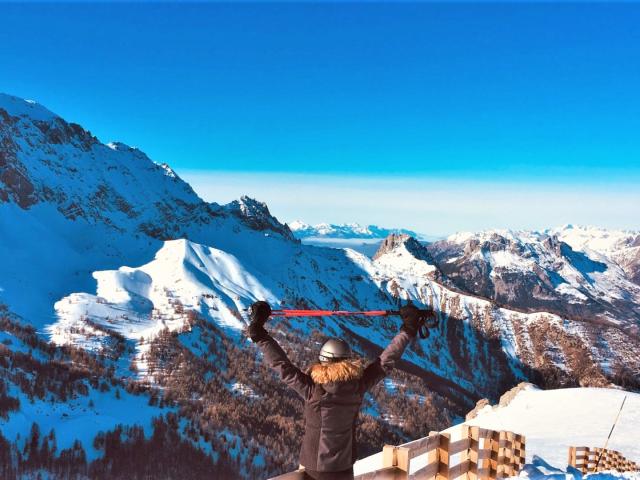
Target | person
(333,391)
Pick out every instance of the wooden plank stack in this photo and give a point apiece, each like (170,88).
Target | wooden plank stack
(470,453)
(585,460)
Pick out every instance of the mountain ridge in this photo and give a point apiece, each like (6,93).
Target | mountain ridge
(344,231)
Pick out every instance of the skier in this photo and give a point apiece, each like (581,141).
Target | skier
(333,391)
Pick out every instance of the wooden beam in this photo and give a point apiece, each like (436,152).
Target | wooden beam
(484,454)
(443,456)
(402,459)
(495,450)
(474,447)
(389,458)
(433,457)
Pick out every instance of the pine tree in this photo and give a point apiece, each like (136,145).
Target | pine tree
(32,446)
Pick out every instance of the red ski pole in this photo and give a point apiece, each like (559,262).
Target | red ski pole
(428,318)
(327,313)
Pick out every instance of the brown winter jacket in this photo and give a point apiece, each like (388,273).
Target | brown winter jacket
(333,394)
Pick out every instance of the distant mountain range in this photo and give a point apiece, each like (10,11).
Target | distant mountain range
(344,231)
(123,297)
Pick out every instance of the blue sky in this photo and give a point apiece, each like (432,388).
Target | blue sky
(466,100)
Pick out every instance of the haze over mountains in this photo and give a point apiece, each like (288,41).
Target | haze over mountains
(345,231)
(144,287)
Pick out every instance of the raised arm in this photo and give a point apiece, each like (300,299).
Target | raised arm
(274,355)
(386,362)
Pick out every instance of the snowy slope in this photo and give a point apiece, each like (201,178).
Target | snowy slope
(76,401)
(70,205)
(554,420)
(81,418)
(138,303)
(595,239)
(619,246)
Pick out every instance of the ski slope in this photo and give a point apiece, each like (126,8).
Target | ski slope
(554,420)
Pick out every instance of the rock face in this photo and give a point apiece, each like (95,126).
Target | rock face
(505,399)
(46,160)
(534,271)
(256,215)
(395,240)
(480,405)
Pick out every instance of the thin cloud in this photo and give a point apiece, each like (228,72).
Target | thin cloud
(434,207)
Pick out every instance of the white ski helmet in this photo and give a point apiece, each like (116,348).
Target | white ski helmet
(334,350)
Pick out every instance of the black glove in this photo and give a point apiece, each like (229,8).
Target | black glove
(259,313)
(410,315)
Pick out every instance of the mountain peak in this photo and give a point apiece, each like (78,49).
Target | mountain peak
(120,147)
(396,240)
(257,216)
(19,107)
(298,225)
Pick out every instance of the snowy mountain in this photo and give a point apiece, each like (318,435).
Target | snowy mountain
(142,287)
(578,275)
(97,206)
(620,247)
(343,231)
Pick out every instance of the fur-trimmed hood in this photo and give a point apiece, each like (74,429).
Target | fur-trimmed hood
(334,372)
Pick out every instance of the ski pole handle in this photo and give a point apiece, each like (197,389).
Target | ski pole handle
(426,320)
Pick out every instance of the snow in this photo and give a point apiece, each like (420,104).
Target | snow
(588,268)
(138,303)
(401,260)
(243,390)
(81,280)
(510,260)
(16,106)
(567,289)
(77,419)
(552,421)
(344,231)
(298,225)
(584,238)
(538,468)
(186,271)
